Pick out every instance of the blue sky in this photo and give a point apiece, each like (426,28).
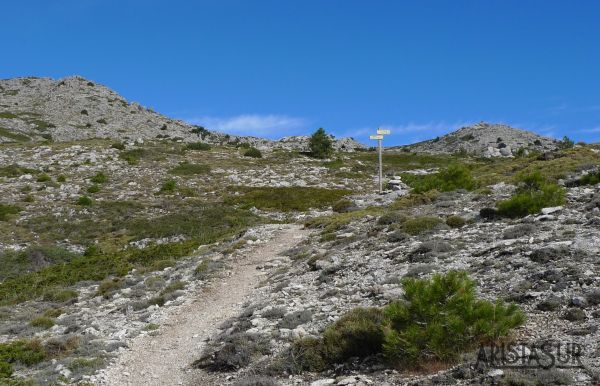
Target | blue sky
(285,67)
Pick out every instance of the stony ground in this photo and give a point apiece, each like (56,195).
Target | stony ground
(165,357)
(201,213)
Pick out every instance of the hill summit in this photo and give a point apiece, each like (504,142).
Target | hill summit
(75,108)
(485,139)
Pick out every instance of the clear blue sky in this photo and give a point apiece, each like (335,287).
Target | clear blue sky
(278,67)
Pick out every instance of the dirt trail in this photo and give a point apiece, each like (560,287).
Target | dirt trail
(165,359)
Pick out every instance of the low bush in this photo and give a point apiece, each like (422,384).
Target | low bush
(257,381)
(390,218)
(306,354)
(99,178)
(236,353)
(93,189)
(488,213)
(7,210)
(118,146)
(188,169)
(197,146)
(86,365)
(43,322)
(294,319)
(107,287)
(84,201)
(15,170)
(422,224)
(343,206)
(50,282)
(168,186)
(133,156)
(436,320)
(59,295)
(519,230)
(253,153)
(455,177)
(284,199)
(358,333)
(26,353)
(455,221)
(533,194)
(43,177)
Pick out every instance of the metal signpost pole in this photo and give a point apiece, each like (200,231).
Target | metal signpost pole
(380,168)
(379,138)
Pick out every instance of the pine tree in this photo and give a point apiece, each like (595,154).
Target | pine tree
(320,144)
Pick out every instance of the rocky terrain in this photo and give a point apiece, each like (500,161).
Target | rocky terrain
(74,108)
(485,139)
(135,260)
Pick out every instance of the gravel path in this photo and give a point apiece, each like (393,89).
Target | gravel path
(164,359)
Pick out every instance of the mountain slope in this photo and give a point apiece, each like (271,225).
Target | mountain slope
(74,108)
(484,139)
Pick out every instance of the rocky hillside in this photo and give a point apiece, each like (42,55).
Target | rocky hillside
(111,252)
(74,108)
(485,139)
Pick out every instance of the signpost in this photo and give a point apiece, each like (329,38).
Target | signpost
(379,138)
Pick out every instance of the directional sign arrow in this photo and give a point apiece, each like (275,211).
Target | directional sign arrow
(376,137)
(383,132)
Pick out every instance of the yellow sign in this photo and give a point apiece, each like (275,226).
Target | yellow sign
(376,137)
(383,132)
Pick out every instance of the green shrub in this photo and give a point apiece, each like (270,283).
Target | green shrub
(284,199)
(592,178)
(43,178)
(533,194)
(133,156)
(306,354)
(118,146)
(253,152)
(99,178)
(320,144)
(455,221)
(43,322)
(7,210)
(356,334)
(390,218)
(85,365)
(84,201)
(343,206)
(8,115)
(440,318)
(437,320)
(34,258)
(188,169)
(151,327)
(59,295)
(15,170)
(197,146)
(418,225)
(168,186)
(93,189)
(454,177)
(107,287)
(566,143)
(26,353)
(61,179)
(15,136)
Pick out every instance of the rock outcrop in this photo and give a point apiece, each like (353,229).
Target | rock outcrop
(485,139)
(74,108)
